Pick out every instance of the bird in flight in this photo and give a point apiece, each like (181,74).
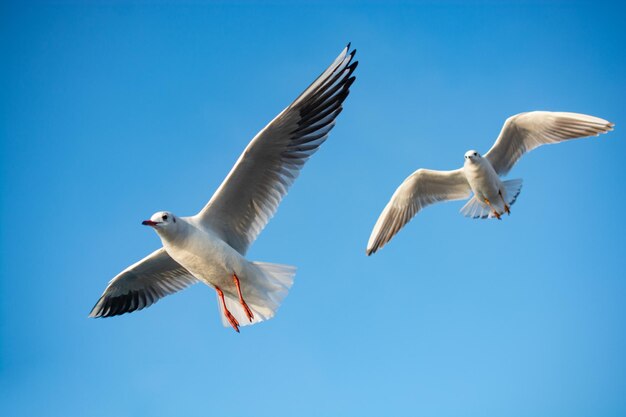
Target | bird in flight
(210,246)
(481,174)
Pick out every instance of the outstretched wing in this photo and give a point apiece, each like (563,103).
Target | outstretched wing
(142,284)
(252,191)
(526,131)
(420,189)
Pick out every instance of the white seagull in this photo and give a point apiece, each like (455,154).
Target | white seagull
(210,246)
(481,174)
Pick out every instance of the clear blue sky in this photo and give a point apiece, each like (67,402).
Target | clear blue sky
(110,112)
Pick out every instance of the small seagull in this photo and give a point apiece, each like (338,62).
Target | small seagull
(480,175)
(210,246)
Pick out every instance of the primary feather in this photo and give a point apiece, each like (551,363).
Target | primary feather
(526,131)
(142,284)
(420,189)
(252,191)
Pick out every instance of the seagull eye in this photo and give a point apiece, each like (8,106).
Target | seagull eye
(164,217)
(475,153)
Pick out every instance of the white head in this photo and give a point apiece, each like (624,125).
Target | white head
(162,222)
(472,156)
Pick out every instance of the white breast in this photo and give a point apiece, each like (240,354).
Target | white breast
(482,178)
(206,256)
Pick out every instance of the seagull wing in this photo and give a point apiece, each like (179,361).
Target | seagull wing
(252,191)
(142,284)
(420,189)
(526,131)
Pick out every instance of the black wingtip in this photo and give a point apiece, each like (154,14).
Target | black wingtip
(93,314)
(349,83)
(348,45)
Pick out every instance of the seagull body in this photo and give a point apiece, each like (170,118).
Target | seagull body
(210,247)
(202,253)
(259,288)
(487,186)
(481,175)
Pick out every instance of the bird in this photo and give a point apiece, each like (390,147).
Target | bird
(210,247)
(480,174)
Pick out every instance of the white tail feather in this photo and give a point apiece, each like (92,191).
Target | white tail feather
(476,209)
(513,188)
(263,293)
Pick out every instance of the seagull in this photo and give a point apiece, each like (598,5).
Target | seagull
(210,246)
(480,175)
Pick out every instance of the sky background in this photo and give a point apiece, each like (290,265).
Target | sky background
(112,111)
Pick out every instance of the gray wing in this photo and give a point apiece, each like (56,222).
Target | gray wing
(252,191)
(142,284)
(526,131)
(420,189)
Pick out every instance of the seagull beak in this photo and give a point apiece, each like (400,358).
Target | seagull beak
(149,223)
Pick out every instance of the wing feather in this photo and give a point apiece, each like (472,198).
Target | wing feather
(420,189)
(252,191)
(526,131)
(142,284)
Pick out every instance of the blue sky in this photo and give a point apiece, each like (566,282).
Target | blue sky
(112,111)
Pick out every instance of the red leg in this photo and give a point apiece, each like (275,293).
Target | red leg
(243,303)
(231,319)
(507,209)
(495,213)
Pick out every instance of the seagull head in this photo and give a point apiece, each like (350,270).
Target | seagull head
(472,156)
(161,220)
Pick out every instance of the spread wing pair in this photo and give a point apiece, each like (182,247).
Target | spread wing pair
(250,194)
(520,134)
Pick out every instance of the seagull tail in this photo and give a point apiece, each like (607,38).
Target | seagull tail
(513,188)
(263,292)
(476,209)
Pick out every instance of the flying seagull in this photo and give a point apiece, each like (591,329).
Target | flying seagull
(480,175)
(210,247)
